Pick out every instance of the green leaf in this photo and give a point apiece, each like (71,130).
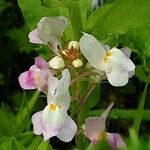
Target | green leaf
(22,40)
(81,141)
(118,16)
(9,143)
(26,110)
(44,146)
(7,122)
(141,74)
(139,114)
(33,11)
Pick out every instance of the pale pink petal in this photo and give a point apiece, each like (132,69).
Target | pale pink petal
(67,132)
(37,123)
(33,37)
(106,112)
(48,132)
(94,126)
(41,63)
(115,141)
(26,80)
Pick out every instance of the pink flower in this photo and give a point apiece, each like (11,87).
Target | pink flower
(36,77)
(54,120)
(95,130)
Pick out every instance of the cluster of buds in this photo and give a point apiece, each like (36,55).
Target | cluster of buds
(68,56)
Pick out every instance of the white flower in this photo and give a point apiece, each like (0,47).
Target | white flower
(54,120)
(49,31)
(113,62)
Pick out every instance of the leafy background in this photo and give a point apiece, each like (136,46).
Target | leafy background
(121,23)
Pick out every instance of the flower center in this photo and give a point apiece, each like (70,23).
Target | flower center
(54,107)
(101,135)
(108,54)
(71,54)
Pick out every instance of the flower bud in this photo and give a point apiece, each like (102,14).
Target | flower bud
(74,45)
(77,63)
(57,63)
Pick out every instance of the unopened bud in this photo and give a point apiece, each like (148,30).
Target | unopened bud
(74,45)
(77,63)
(57,63)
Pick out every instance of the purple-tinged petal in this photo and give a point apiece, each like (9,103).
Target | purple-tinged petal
(67,132)
(26,80)
(115,141)
(33,37)
(48,132)
(37,123)
(41,63)
(93,127)
(106,112)
(126,51)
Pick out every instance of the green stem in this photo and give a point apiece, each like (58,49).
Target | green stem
(122,114)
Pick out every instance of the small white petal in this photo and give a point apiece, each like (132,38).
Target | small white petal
(33,37)
(68,131)
(117,76)
(127,64)
(92,50)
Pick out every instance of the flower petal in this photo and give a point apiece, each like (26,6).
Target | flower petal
(94,126)
(53,118)
(115,141)
(64,82)
(37,123)
(26,80)
(126,51)
(41,63)
(33,37)
(106,112)
(116,75)
(126,63)
(92,50)
(58,90)
(68,131)
(50,30)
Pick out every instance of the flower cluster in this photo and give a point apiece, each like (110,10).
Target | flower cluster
(113,63)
